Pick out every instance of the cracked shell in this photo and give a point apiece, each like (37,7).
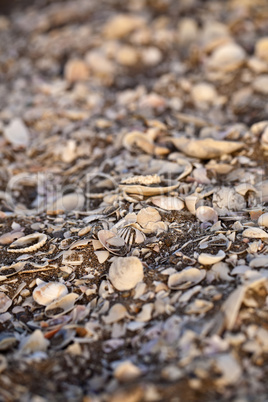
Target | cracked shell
(126,272)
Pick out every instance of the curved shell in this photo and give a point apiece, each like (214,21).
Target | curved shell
(255,233)
(187,278)
(207,148)
(45,293)
(168,203)
(206,214)
(263,220)
(126,272)
(148,185)
(5,302)
(209,259)
(61,306)
(111,242)
(138,139)
(18,246)
(259,262)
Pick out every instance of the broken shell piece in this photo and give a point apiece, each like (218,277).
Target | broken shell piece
(209,259)
(40,239)
(140,140)
(140,187)
(168,203)
(126,272)
(147,215)
(187,278)
(190,202)
(206,214)
(36,342)
(61,306)
(112,242)
(255,233)
(116,313)
(102,255)
(199,306)
(8,238)
(126,371)
(259,262)
(67,203)
(45,293)
(207,148)
(17,133)
(5,302)
(263,220)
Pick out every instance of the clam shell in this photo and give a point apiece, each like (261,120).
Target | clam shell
(61,306)
(263,220)
(39,238)
(5,302)
(168,203)
(126,272)
(209,259)
(187,278)
(45,293)
(207,148)
(255,233)
(206,214)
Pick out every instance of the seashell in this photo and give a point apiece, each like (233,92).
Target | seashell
(232,305)
(67,203)
(116,313)
(147,215)
(264,139)
(168,203)
(227,199)
(206,214)
(259,262)
(146,313)
(207,148)
(7,341)
(17,133)
(137,139)
(76,70)
(255,233)
(187,278)
(61,306)
(122,25)
(5,302)
(41,239)
(260,84)
(127,371)
(221,270)
(203,93)
(199,306)
(46,292)
(8,238)
(126,272)
(190,202)
(113,243)
(209,259)
(263,220)
(148,185)
(261,48)
(36,342)
(227,57)
(102,255)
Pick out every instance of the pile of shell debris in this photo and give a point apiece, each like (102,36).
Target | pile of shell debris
(134,201)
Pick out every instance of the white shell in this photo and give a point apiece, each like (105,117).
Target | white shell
(168,203)
(126,272)
(147,215)
(67,203)
(206,214)
(186,278)
(209,259)
(41,239)
(116,313)
(127,371)
(17,133)
(259,262)
(62,305)
(45,293)
(199,306)
(36,342)
(111,241)
(255,233)
(263,220)
(5,302)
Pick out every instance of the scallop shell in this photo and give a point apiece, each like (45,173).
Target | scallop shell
(206,214)
(263,220)
(5,302)
(45,293)
(209,259)
(126,272)
(207,148)
(255,233)
(187,278)
(168,203)
(41,239)
(61,306)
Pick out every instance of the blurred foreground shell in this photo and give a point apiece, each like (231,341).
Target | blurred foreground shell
(22,245)
(36,342)
(263,220)
(126,272)
(206,214)
(209,259)
(5,302)
(45,293)
(61,306)
(255,233)
(187,278)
